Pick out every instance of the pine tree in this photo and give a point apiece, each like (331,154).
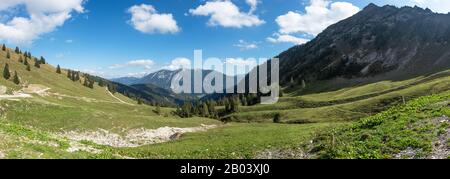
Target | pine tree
(3,47)
(21,59)
(8,55)
(16,78)
(37,64)
(69,74)
(42,61)
(28,67)
(26,62)
(77,76)
(6,73)
(58,69)
(91,84)
(86,82)
(17,50)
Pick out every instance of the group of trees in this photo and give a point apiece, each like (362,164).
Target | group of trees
(7,74)
(202,109)
(73,75)
(88,81)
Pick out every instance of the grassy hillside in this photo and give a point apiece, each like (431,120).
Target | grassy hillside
(64,119)
(345,104)
(419,129)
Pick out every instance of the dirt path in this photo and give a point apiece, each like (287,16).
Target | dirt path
(118,99)
(135,137)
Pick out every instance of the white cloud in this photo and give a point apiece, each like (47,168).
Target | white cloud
(69,41)
(146,19)
(440,6)
(179,63)
(225,13)
(240,62)
(44,16)
(243,45)
(319,15)
(147,64)
(253,5)
(285,38)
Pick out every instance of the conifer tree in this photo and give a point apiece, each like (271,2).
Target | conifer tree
(69,74)
(91,84)
(42,60)
(3,47)
(16,78)
(37,64)
(86,82)
(28,67)
(17,50)
(6,73)
(8,55)
(26,62)
(58,69)
(77,76)
(21,59)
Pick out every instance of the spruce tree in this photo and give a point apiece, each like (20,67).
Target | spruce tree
(28,67)
(6,73)
(42,61)
(3,47)
(86,82)
(8,55)
(17,50)
(21,59)
(91,84)
(69,74)
(16,78)
(77,76)
(26,61)
(58,69)
(37,64)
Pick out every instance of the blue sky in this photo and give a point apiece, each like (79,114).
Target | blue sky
(101,37)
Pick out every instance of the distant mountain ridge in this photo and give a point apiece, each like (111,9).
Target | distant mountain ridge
(163,78)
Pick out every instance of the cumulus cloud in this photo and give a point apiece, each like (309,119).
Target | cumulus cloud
(147,64)
(253,5)
(319,15)
(43,16)
(225,13)
(243,45)
(179,63)
(285,38)
(146,19)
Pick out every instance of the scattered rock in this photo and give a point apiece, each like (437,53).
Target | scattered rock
(283,154)
(409,153)
(135,137)
(441,150)
(76,146)
(2,155)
